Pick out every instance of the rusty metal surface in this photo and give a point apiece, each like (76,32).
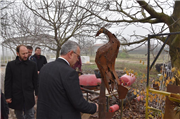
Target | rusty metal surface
(105,60)
(169,107)
(102,102)
(122,91)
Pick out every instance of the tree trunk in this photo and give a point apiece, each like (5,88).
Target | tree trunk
(174,40)
(57,52)
(175,59)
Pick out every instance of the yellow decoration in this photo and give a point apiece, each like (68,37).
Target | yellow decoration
(165,75)
(125,69)
(150,117)
(173,69)
(135,73)
(167,82)
(173,80)
(127,72)
(161,77)
(143,76)
(132,71)
(178,73)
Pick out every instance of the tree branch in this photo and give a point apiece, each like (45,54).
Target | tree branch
(161,17)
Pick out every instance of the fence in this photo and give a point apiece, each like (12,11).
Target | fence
(149,68)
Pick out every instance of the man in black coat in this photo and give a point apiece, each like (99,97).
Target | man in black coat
(21,80)
(4,107)
(60,96)
(38,58)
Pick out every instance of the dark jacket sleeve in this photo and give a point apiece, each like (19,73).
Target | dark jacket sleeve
(8,82)
(35,79)
(45,60)
(33,58)
(74,93)
(4,107)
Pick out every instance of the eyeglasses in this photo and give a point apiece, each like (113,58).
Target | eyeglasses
(77,54)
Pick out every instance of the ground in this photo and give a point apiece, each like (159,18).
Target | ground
(131,110)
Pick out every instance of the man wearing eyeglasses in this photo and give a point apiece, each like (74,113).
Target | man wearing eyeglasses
(60,96)
(77,65)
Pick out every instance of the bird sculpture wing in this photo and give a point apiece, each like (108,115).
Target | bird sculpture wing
(105,59)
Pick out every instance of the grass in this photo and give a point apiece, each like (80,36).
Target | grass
(132,63)
(135,62)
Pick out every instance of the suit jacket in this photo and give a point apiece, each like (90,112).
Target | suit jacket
(60,96)
(21,80)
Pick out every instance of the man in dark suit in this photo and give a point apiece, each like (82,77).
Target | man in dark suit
(30,57)
(39,59)
(60,96)
(30,50)
(21,80)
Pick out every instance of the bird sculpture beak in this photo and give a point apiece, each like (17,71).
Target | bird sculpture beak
(99,32)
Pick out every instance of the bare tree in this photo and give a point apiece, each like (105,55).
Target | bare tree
(22,27)
(87,45)
(64,19)
(4,6)
(162,16)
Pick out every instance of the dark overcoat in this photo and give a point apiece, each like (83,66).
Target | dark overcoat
(40,61)
(21,80)
(4,107)
(60,96)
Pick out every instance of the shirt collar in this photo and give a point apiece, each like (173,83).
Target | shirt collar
(64,60)
(18,60)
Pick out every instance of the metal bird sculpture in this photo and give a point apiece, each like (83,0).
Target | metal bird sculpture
(105,60)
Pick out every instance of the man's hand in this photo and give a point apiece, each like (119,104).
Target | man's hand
(8,100)
(36,98)
(97,107)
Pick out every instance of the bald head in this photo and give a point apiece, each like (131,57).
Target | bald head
(22,52)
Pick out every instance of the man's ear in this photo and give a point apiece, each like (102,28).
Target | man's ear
(17,53)
(70,53)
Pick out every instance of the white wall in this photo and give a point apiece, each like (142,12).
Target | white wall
(85,59)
